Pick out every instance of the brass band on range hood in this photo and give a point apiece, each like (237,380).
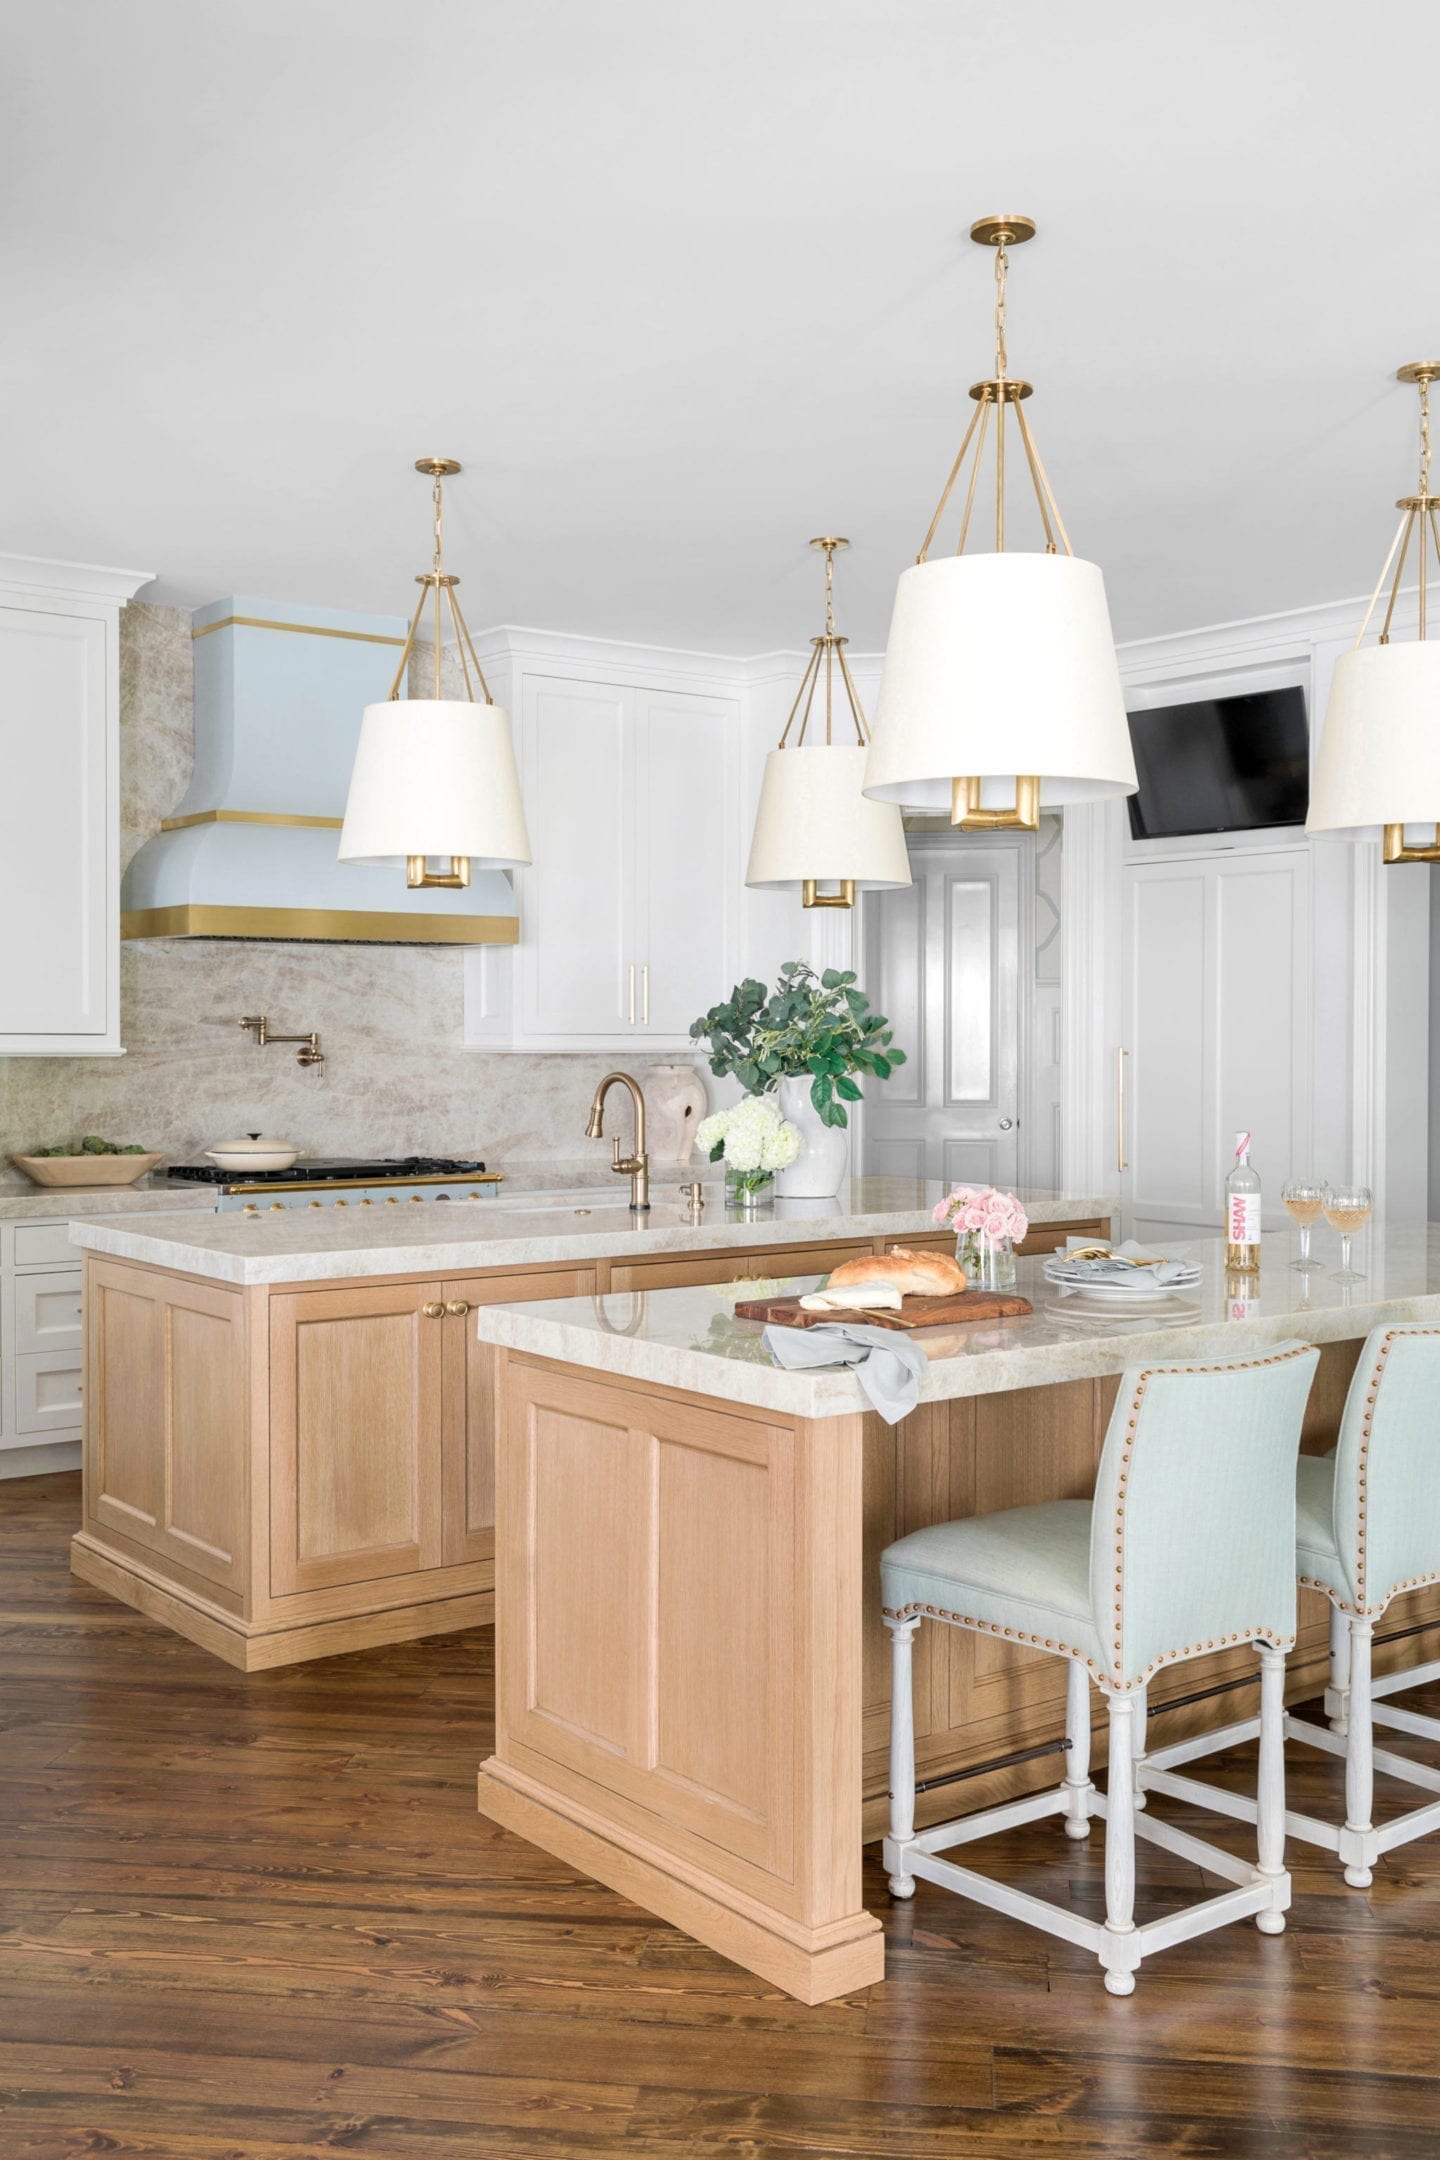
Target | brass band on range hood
(357,927)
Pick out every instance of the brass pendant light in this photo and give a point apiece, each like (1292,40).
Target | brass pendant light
(814,826)
(435,778)
(1001,688)
(1378,765)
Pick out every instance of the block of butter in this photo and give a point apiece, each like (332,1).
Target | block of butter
(855,1297)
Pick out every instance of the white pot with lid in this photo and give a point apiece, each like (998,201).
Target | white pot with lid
(257,1151)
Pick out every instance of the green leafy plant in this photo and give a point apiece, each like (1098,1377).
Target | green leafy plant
(809,1023)
(92,1144)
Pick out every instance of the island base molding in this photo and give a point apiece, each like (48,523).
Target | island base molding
(252,1649)
(813,1964)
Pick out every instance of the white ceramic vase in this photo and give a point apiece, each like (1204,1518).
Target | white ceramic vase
(675,1102)
(824,1149)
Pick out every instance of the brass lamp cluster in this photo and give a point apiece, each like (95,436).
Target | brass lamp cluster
(1000,695)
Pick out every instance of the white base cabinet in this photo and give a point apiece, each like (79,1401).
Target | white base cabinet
(60,807)
(40,1348)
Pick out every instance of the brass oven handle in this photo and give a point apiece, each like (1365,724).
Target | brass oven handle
(645,995)
(433,1312)
(457,1307)
(1120,1162)
(632,993)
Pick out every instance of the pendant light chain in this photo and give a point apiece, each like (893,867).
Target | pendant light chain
(827,651)
(435,580)
(1001,395)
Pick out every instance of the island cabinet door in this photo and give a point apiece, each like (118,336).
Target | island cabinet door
(355,1410)
(647,1562)
(165,1420)
(470,1406)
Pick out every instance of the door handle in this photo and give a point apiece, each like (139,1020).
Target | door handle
(433,1311)
(457,1308)
(632,993)
(1006,1123)
(1120,1163)
(645,995)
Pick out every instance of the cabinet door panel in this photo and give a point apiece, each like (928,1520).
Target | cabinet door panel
(355,1435)
(166,1416)
(470,1409)
(55,863)
(577,908)
(685,748)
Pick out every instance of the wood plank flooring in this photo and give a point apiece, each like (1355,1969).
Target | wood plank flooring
(259,1919)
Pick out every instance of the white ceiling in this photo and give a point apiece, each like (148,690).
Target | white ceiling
(683,284)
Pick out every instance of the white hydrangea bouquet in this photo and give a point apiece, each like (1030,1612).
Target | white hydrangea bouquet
(753,1140)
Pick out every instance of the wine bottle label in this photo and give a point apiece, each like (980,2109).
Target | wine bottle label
(1243,1219)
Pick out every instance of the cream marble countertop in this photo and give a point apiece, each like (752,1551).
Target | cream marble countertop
(77,1203)
(691,1339)
(458,1236)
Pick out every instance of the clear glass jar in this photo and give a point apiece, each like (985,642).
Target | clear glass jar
(749,1190)
(989,1263)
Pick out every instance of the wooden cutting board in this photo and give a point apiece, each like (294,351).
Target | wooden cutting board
(916,1312)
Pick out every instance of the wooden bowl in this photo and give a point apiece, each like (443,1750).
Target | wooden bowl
(83,1170)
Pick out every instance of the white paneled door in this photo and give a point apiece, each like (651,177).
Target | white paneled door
(1217,1021)
(578,916)
(941,961)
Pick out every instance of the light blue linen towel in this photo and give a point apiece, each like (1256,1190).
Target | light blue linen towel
(887,1365)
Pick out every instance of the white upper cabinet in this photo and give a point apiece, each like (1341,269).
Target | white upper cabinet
(629,915)
(60,808)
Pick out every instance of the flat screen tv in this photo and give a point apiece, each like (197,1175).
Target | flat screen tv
(1229,764)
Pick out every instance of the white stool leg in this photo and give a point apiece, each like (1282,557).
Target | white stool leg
(1118,1946)
(1337,1698)
(1138,1742)
(902,1751)
(1359,1765)
(1270,1792)
(1079,1791)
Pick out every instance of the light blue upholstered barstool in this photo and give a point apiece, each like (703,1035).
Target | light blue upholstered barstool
(1368,1529)
(1187,1547)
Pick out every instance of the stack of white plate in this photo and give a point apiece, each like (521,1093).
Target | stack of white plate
(1138,1283)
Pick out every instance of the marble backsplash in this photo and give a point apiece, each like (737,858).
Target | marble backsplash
(396,1080)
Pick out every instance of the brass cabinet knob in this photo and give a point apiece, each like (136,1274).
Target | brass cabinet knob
(457,1307)
(433,1312)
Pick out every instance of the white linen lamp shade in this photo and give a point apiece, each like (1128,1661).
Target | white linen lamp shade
(814,824)
(1377,768)
(999,665)
(435,777)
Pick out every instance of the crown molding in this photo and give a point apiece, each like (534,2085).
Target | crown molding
(70,581)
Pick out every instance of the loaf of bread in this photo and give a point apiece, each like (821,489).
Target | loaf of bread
(914,1274)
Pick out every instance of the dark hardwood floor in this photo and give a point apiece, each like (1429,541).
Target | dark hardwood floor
(259,1919)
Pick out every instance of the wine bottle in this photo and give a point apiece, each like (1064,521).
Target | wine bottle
(1242,1211)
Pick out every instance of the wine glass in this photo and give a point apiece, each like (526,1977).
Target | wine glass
(1303,1202)
(1347,1209)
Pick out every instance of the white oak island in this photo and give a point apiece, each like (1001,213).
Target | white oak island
(692,1679)
(289,1417)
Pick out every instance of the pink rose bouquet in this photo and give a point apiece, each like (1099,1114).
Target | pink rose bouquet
(988,1225)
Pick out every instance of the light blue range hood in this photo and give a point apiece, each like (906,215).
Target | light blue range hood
(251,851)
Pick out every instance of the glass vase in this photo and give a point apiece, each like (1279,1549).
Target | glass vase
(749,1190)
(989,1263)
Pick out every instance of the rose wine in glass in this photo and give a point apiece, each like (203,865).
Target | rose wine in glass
(1347,1209)
(1303,1202)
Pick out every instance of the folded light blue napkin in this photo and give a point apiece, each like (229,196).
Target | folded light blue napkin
(887,1365)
